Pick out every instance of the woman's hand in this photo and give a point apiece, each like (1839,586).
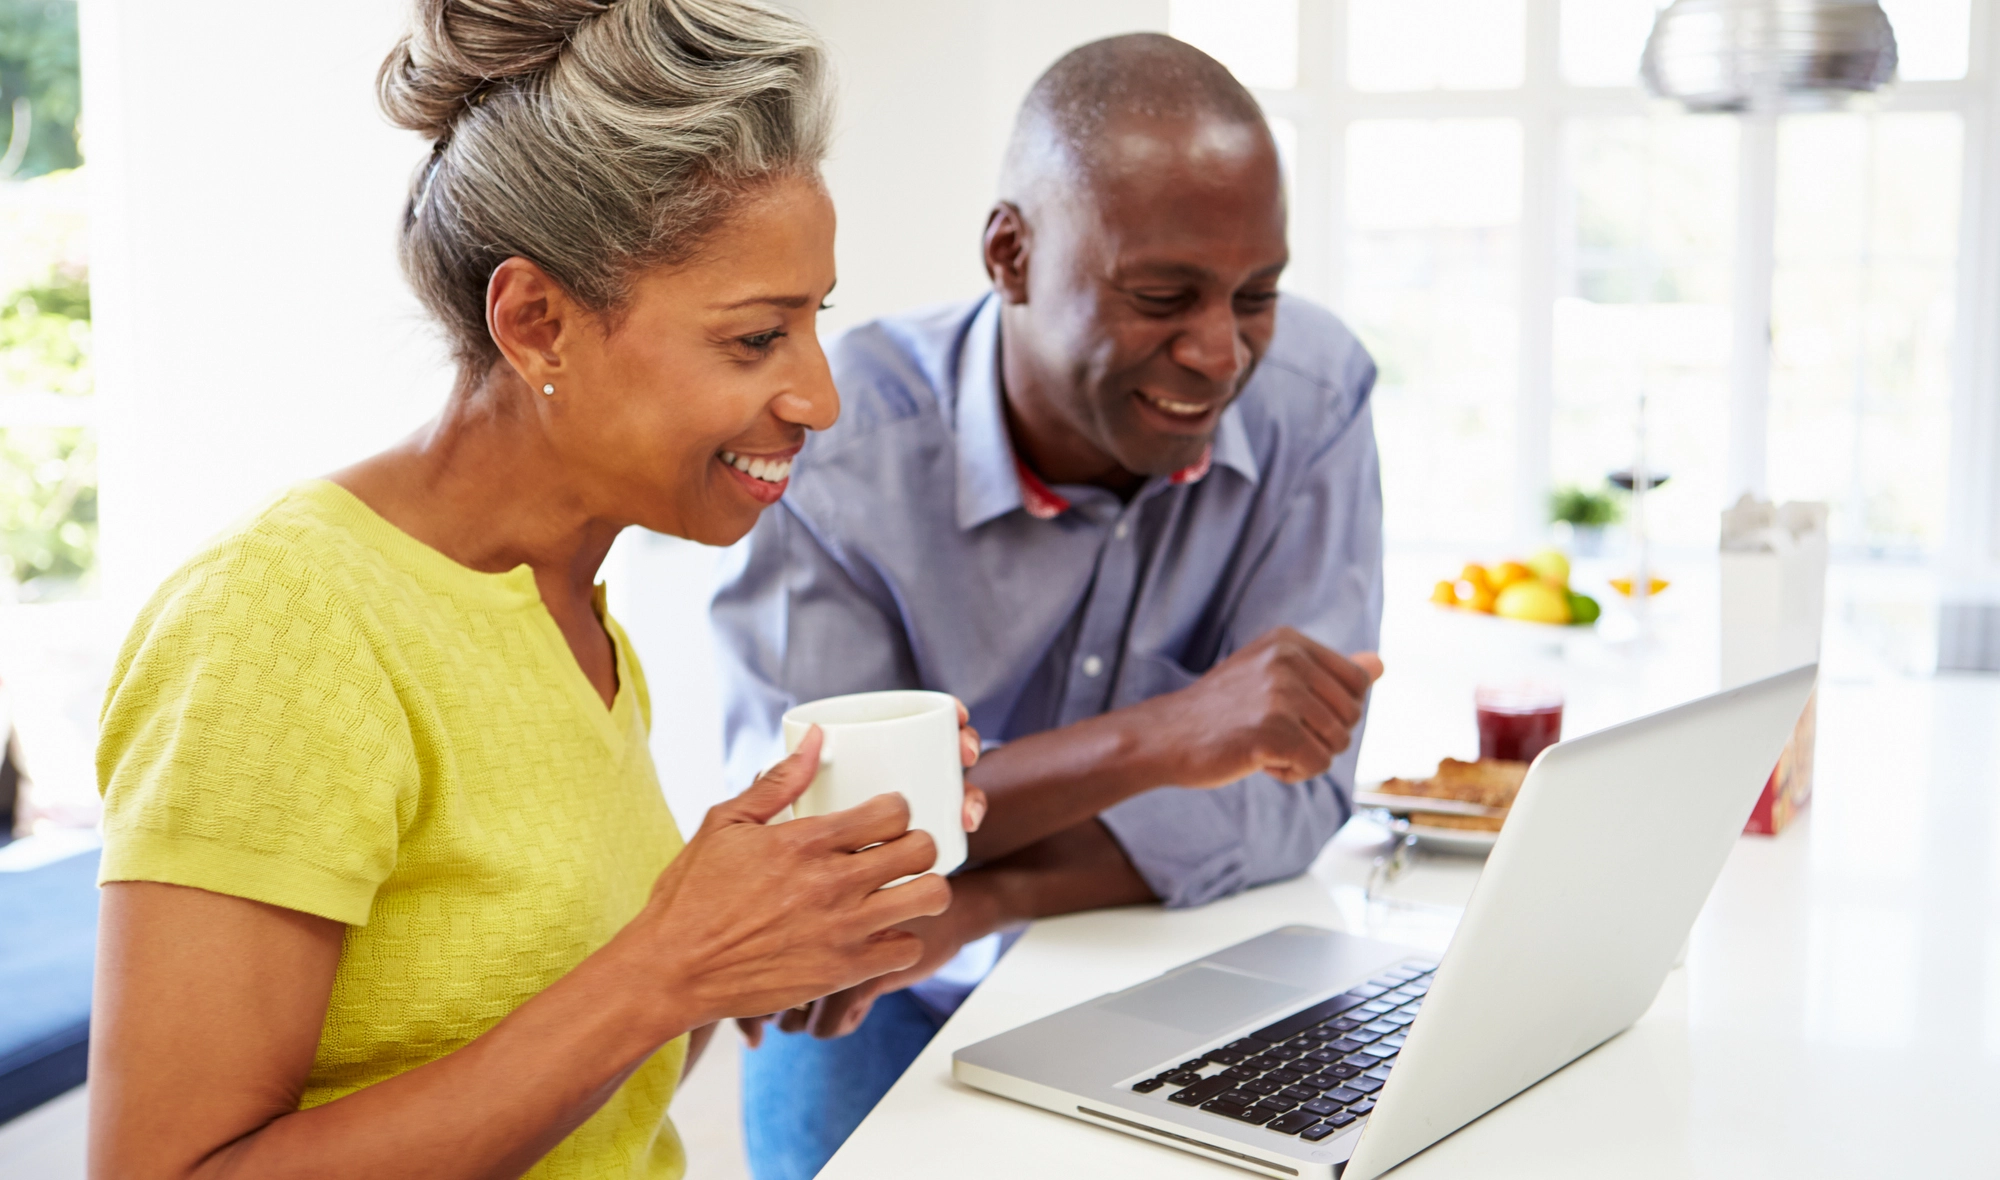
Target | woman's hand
(973,812)
(755,917)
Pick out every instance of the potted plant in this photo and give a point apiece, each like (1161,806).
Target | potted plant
(1584,515)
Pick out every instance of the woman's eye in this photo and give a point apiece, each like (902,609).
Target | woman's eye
(762,341)
(826,306)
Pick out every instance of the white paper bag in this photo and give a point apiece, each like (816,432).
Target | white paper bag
(1773,587)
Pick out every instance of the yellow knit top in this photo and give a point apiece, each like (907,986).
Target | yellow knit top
(322,713)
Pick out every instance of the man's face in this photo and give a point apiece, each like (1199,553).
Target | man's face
(1153,287)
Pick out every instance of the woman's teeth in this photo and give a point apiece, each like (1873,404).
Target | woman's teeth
(1183,409)
(768,470)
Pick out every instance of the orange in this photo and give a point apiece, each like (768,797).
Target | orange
(1624,586)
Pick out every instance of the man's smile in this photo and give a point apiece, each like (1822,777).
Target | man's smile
(1176,415)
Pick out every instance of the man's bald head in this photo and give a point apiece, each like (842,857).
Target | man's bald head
(1078,122)
(1136,249)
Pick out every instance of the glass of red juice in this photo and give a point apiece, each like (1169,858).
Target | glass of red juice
(1518,721)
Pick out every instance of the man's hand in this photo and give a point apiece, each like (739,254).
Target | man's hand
(1284,705)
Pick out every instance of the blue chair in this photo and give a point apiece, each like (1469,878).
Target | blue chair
(48,946)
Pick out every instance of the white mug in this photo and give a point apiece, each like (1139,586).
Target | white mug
(903,741)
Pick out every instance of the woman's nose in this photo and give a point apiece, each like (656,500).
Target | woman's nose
(812,402)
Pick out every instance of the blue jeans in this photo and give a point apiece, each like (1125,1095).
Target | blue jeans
(803,1097)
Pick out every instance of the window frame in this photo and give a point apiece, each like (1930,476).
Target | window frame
(1323,105)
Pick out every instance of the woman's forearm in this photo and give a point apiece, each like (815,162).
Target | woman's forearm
(487,1110)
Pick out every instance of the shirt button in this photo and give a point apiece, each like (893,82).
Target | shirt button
(1092,665)
(1120,531)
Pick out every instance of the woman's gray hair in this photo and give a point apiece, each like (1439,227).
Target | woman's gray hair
(595,138)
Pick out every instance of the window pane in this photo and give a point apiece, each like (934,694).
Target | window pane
(1933,37)
(1645,309)
(1431,285)
(1602,40)
(1435,44)
(1286,133)
(1862,320)
(1257,39)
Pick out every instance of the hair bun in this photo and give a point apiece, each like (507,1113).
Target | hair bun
(458,48)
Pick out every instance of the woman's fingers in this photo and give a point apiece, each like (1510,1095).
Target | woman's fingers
(911,853)
(776,788)
(925,897)
(882,818)
(973,812)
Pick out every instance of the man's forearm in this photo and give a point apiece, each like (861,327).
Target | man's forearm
(1044,784)
(1079,868)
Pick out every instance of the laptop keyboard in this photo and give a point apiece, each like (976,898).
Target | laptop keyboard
(1313,1073)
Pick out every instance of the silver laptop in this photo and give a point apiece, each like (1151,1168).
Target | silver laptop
(1308,1053)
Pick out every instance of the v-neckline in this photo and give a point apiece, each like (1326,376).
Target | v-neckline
(515,588)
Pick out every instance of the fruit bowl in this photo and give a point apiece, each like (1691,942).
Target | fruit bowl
(1534,592)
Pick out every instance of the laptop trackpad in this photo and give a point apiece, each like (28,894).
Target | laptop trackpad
(1203,1000)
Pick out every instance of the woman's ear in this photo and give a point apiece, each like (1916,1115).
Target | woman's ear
(1004,248)
(528,315)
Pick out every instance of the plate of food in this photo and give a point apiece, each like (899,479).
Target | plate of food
(1458,809)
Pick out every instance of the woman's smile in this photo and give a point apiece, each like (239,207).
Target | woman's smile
(763,476)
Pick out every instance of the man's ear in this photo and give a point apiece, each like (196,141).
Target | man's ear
(528,314)
(1004,248)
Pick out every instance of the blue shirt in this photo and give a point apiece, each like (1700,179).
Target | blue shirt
(903,556)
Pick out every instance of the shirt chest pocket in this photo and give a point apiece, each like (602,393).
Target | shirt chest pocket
(1147,675)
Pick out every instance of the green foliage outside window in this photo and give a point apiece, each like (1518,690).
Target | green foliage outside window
(48,507)
(45,337)
(41,90)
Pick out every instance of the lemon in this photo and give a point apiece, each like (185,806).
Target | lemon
(1534,601)
(1551,566)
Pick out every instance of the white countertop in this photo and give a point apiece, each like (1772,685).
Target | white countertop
(1838,1013)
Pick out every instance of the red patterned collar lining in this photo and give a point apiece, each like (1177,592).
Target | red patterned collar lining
(1044,503)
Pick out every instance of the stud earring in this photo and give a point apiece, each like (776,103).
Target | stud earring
(548,391)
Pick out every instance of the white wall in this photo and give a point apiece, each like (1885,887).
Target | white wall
(252,327)
(928,92)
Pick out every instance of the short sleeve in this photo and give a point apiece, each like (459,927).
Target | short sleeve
(252,742)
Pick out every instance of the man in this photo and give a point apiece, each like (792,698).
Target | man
(1125,506)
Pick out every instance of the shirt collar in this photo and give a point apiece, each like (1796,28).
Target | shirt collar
(993,481)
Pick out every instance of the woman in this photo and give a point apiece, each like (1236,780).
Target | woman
(390,887)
